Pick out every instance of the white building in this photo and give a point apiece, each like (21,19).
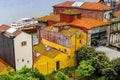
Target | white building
(23,22)
(110,53)
(15,47)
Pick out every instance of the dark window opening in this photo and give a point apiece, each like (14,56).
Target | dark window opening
(22,60)
(24,43)
(58,65)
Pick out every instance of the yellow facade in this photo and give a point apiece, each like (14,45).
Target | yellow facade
(47,65)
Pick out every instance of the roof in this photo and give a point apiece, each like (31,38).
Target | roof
(95,6)
(3,65)
(60,24)
(112,54)
(71,12)
(49,17)
(88,23)
(42,50)
(65,4)
(67,32)
(117,13)
(114,20)
(85,5)
(8,31)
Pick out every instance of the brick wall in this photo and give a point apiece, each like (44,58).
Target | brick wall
(84,12)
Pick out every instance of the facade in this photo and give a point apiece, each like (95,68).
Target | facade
(62,41)
(115,4)
(97,31)
(67,35)
(94,10)
(16,47)
(115,33)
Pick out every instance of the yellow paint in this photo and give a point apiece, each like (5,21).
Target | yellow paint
(57,46)
(47,65)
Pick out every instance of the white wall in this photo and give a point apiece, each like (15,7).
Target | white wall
(106,15)
(23,52)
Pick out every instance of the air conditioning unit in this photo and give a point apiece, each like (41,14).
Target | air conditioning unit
(37,55)
(48,48)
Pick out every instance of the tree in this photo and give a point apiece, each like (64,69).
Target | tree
(99,61)
(116,62)
(60,76)
(23,74)
(85,53)
(85,68)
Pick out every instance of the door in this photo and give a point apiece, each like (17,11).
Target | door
(58,65)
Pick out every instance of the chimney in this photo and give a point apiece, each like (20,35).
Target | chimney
(69,15)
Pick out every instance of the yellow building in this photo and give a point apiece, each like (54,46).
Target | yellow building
(57,47)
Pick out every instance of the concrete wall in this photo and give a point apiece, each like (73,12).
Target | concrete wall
(23,54)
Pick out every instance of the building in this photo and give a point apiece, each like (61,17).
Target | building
(47,60)
(23,22)
(94,10)
(117,14)
(115,33)
(69,33)
(16,47)
(110,53)
(115,4)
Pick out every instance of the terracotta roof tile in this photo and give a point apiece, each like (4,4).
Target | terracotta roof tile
(6,27)
(86,5)
(17,32)
(88,23)
(3,64)
(117,13)
(95,6)
(49,17)
(65,4)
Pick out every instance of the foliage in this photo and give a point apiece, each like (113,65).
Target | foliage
(68,71)
(102,78)
(99,61)
(85,68)
(116,62)
(85,53)
(4,77)
(23,74)
(60,76)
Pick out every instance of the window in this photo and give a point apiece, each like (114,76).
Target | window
(65,50)
(80,36)
(105,16)
(27,61)
(24,43)
(22,60)
(17,60)
(80,41)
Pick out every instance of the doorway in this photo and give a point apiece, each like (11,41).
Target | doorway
(58,65)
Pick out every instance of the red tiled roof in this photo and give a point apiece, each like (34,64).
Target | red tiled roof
(88,23)
(95,6)
(65,4)
(50,17)
(3,65)
(86,5)
(117,13)
(6,27)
